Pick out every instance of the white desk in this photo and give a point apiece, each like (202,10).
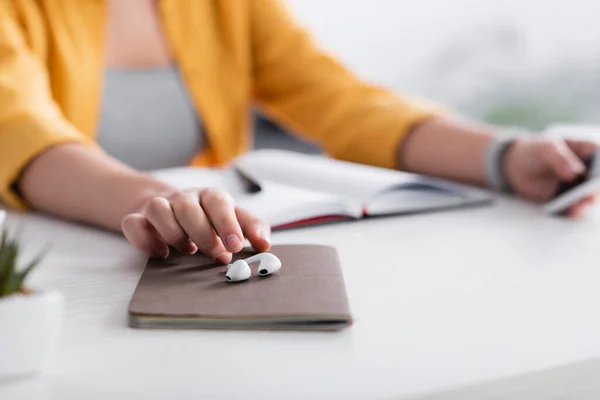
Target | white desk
(471,296)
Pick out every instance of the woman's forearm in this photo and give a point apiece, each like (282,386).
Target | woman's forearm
(79,183)
(446,149)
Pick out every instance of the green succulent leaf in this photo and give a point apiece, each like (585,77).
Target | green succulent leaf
(4,236)
(15,281)
(8,284)
(25,272)
(8,259)
(12,279)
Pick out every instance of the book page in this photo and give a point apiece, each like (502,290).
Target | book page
(280,204)
(375,191)
(348,180)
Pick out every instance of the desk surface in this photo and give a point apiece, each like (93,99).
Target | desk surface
(478,295)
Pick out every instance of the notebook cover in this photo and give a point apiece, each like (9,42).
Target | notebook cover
(191,291)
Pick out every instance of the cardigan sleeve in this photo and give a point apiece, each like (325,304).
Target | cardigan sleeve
(30,121)
(312,94)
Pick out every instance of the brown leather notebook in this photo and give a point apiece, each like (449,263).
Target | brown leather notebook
(191,291)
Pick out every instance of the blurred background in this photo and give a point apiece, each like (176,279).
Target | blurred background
(529,63)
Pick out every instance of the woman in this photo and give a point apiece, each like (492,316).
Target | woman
(94,92)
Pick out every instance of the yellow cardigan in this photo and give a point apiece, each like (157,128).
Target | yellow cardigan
(232,53)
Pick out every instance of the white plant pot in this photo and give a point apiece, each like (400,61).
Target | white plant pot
(29,329)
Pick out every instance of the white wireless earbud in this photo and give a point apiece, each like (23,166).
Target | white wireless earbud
(240,270)
(268,263)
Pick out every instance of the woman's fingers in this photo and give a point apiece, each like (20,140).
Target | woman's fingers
(143,236)
(562,160)
(159,213)
(577,209)
(190,221)
(256,230)
(591,199)
(218,206)
(584,149)
(194,221)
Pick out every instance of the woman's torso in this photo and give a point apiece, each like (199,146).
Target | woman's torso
(147,119)
(73,39)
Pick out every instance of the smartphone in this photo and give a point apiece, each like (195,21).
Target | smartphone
(569,193)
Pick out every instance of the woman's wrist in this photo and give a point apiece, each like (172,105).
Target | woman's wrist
(447,149)
(498,158)
(495,163)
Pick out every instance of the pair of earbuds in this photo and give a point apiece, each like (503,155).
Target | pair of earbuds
(240,270)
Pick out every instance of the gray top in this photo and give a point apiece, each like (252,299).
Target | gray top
(147,118)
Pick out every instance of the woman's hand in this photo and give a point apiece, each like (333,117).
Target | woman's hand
(205,220)
(535,167)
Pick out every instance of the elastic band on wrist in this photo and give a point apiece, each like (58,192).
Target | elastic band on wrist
(494,159)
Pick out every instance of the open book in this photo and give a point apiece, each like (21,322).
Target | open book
(288,189)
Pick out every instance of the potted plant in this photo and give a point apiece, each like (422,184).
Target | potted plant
(29,318)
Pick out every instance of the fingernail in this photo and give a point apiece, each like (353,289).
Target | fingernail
(165,253)
(224,258)
(265,234)
(234,243)
(191,248)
